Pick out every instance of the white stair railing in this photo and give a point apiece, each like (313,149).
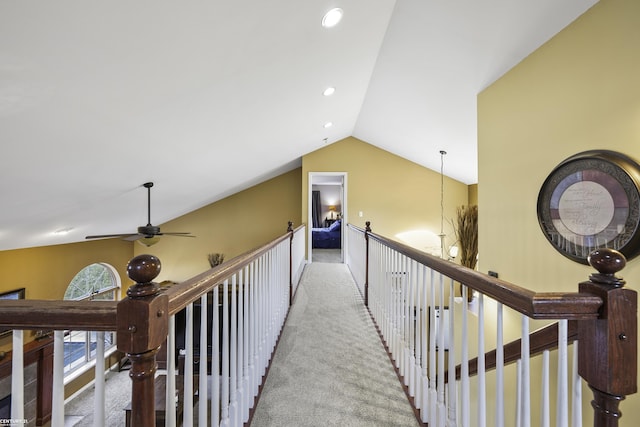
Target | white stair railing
(243,318)
(434,333)
(240,320)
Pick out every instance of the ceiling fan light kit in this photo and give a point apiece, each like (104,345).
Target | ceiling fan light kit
(147,235)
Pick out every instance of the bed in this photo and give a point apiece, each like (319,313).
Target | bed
(328,237)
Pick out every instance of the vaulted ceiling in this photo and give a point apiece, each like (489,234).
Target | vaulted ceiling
(206,98)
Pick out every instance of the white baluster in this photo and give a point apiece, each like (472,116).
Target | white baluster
(544,398)
(576,386)
(224,401)
(519,393)
(17,378)
(442,415)
(562,407)
(57,401)
(464,368)
(433,390)
(417,336)
(499,366)
(247,352)
(255,330)
(464,354)
(452,383)
(187,415)
(170,390)
(203,394)
(215,359)
(98,396)
(233,355)
(424,412)
(482,389)
(406,319)
(526,376)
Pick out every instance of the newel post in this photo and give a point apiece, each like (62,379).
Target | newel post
(142,327)
(367,230)
(290,230)
(607,357)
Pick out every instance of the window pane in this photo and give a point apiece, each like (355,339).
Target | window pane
(94,282)
(91,279)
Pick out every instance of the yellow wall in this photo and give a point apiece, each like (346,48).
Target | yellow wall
(230,226)
(473,194)
(395,194)
(579,91)
(45,272)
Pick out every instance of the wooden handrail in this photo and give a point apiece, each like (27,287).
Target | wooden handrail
(180,295)
(59,315)
(536,305)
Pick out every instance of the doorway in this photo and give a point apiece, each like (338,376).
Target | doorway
(327,212)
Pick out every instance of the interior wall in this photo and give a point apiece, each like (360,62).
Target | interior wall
(329,196)
(399,197)
(579,91)
(230,226)
(473,194)
(46,271)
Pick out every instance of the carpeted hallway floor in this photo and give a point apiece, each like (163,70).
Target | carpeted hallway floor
(330,368)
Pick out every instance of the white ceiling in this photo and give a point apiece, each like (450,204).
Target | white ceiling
(208,98)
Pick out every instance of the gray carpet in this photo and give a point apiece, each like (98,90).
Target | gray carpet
(330,368)
(326,255)
(79,411)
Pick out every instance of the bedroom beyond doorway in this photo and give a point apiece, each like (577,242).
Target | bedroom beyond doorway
(327,213)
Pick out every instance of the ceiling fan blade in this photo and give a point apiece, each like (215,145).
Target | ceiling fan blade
(107,236)
(133,237)
(176,234)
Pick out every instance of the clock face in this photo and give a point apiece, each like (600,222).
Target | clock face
(592,201)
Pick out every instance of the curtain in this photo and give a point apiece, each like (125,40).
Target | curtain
(316,209)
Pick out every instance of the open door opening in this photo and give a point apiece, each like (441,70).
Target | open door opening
(327,213)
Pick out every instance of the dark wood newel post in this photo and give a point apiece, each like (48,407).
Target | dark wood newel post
(607,358)
(367,230)
(290,230)
(142,327)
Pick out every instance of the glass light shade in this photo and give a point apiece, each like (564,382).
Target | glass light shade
(149,241)
(453,251)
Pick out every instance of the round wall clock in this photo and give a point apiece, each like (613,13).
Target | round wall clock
(589,201)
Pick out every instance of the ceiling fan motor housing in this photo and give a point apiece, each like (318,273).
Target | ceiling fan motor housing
(149,230)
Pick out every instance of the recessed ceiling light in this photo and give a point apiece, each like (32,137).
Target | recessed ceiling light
(63,230)
(329,91)
(331,18)
(328,125)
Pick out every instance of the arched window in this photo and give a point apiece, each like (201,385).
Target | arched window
(97,281)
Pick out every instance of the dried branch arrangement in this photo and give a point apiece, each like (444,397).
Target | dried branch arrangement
(466,229)
(215,259)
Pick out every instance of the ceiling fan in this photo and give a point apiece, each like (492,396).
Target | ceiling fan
(148,234)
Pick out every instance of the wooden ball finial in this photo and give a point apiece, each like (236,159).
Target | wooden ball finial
(608,262)
(143,268)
